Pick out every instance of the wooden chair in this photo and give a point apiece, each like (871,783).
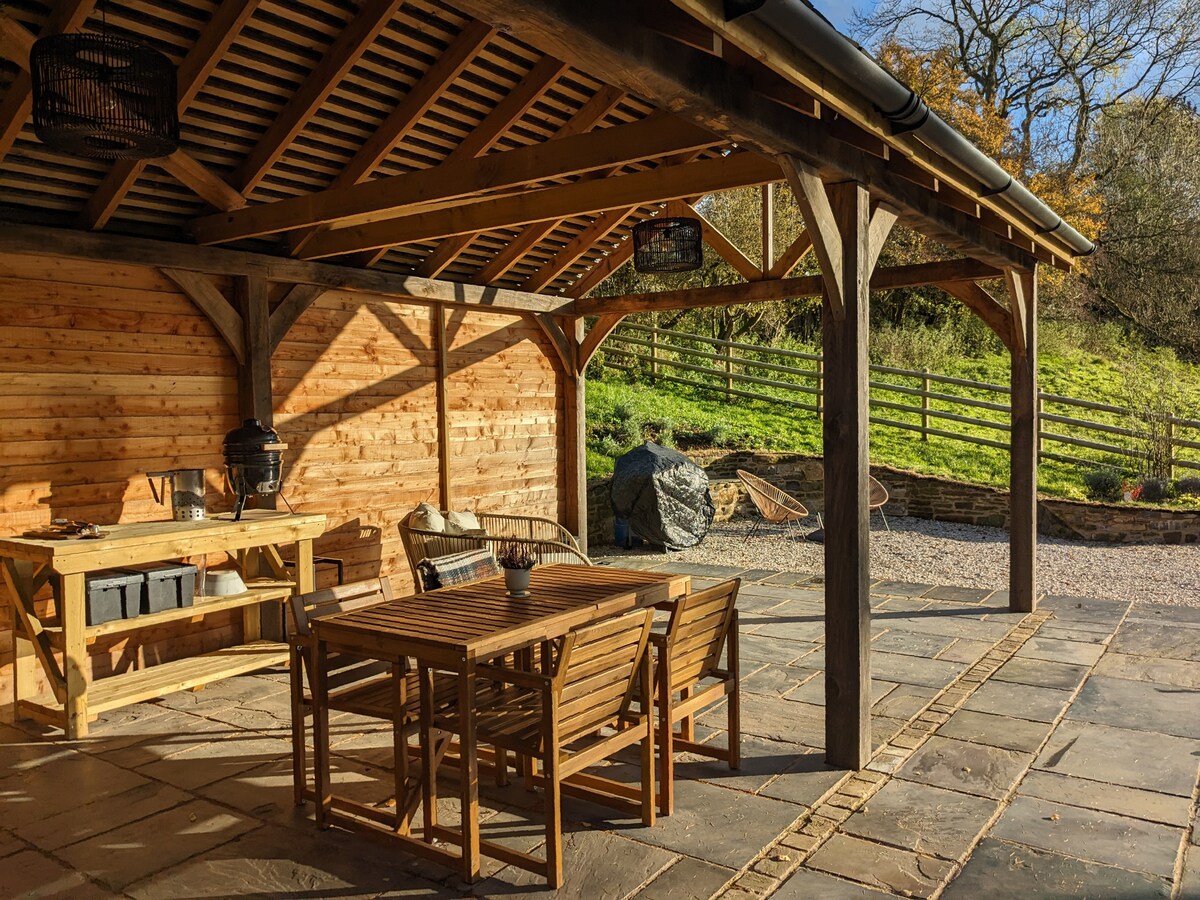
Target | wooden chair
(549,541)
(556,721)
(688,667)
(775,505)
(378,690)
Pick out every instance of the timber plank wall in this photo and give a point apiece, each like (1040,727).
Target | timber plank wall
(108,372)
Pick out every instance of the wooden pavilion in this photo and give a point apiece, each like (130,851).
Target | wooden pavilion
(379,234)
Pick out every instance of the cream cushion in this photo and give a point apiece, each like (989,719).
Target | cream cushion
(426,518)
(460,522)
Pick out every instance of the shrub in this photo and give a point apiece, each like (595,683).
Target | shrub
(1189,486)
(1155,490)
(917,347)
(1103,484)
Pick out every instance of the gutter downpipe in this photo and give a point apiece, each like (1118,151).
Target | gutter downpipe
(795,21)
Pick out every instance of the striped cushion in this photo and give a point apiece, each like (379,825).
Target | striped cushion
(457,568)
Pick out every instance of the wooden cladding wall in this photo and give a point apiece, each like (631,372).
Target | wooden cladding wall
(356,399)
(107,372)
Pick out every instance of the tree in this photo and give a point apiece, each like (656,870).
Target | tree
(1147,271)
(1053,67)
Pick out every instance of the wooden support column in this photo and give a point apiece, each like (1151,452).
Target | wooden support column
(847,534)
(575,427)
(443,409)
(1022,534)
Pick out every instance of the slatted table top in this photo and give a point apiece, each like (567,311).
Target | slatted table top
(479,620)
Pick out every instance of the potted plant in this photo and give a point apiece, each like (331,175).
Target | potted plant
(517,562)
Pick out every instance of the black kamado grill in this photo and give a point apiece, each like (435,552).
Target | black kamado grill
(253,462)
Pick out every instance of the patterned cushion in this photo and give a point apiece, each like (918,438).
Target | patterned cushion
(457,568)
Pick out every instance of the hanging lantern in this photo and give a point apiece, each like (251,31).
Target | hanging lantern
(103,97)
(667,245)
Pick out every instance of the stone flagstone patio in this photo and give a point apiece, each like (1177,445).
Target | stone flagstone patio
(1049,755)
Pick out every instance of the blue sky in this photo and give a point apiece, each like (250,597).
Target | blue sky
(839,11)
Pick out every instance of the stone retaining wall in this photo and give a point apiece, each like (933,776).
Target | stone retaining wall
(922,496)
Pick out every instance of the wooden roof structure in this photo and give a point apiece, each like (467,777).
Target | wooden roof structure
(497,153)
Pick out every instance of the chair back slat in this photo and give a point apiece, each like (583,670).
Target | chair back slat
(697,632)
(596,673)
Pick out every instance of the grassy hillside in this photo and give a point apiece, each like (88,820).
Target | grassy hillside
(1088,365)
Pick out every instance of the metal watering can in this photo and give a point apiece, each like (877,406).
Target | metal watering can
(187,492)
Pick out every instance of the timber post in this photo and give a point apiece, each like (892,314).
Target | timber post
(575,427)
(1022,576)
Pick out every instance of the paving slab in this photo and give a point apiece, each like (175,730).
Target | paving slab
(1119,756)
(789,578)
(922,818)
(1139,705)
(1100,635)
(959,594)
(1020,701)
(1114,798)
(1055,650)
(1090,834)
(1189,884)
(67,782)
(10,844)
(762,648)
(131,852)
(806,780)
(762,760)
(962,766)
(1084,609)
(775,719)
(789,628)
(914,670)
(904,701)
(20,750)
(206,763)
(1001,869)
(112,811)
(1164,612)
(774,681)
(1041,673)
(875,865)
(273,862)
(31,874)
(912,643)
(1179,672)
(995,731)
(806,884)
(966,650)
(687,877)
(813,691)
(159,737)
(948,622)
(1153,639)
(749,576)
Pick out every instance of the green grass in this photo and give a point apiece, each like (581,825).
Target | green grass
(622,414)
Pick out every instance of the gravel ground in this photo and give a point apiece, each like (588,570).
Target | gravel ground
(930,552)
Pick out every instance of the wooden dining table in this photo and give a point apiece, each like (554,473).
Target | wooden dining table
(451,630)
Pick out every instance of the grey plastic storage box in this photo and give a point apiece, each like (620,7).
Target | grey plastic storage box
(168,585)
(110,594)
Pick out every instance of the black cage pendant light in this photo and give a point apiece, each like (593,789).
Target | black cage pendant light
(668,245)
(104,97)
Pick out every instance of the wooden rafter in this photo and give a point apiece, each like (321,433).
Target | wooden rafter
(790,258)
(17,105)
(189,171)
(299,298)
(227,320)
(601,328)
(220,32)
(945,272)
(352,41)
(459,179)
(580,197)
(609,42)
(600,105)
(408,112)
(507,113)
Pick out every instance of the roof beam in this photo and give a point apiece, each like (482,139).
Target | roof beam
(33,240)
(220,32)
(577,198)
(17,105)
(352,41)
(940,273)
(506,114)
(602,103)
(408,112)
(193,174)
(461,178)
(608,42)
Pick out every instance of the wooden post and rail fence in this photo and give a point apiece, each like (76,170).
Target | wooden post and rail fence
(918,401)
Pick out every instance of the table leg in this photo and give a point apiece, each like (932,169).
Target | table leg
(75,657)
(400,748)
(468,772)
(320,713)
(305,577)
(428,762)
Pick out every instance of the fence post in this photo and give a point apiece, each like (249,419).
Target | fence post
(1170,447)
(1037,438)
(925,404)
(728,373)
(654,355)
(821,388)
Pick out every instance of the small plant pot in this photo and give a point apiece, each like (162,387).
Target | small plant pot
(517,582)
